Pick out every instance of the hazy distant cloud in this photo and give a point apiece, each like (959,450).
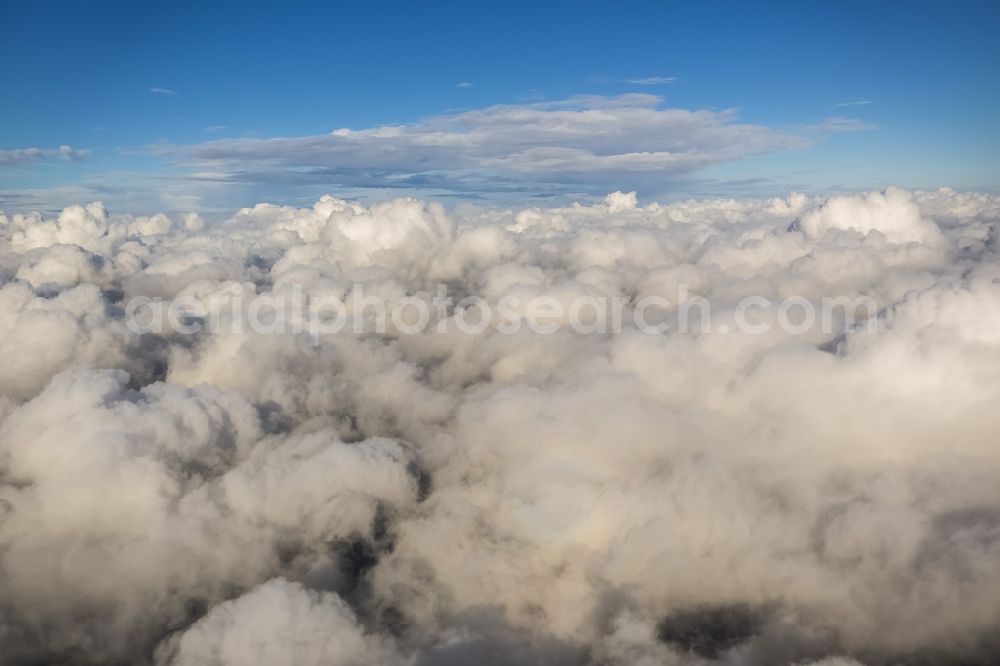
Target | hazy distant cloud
(841,124)
(216,128)
(163,91)
(857,102)
(652,80)
(122,190)
(464,84)
(26,155)
(584,142)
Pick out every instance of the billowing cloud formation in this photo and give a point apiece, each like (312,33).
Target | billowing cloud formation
(824,496)
(581,144)
(26,155)
(278,623)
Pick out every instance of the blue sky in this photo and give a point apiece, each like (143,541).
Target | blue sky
(175,105)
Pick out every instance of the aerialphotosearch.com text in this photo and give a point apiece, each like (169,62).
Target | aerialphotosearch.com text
(293,309)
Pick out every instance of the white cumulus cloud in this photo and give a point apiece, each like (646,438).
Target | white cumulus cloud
(721,496)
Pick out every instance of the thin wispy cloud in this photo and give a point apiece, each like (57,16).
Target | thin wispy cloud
(162,91)
(28,155)
(652,80)
(856,102)
(464,84)
(216,128)
(840,124)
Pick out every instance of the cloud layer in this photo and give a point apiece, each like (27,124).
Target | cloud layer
(718,498)
(581,144)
